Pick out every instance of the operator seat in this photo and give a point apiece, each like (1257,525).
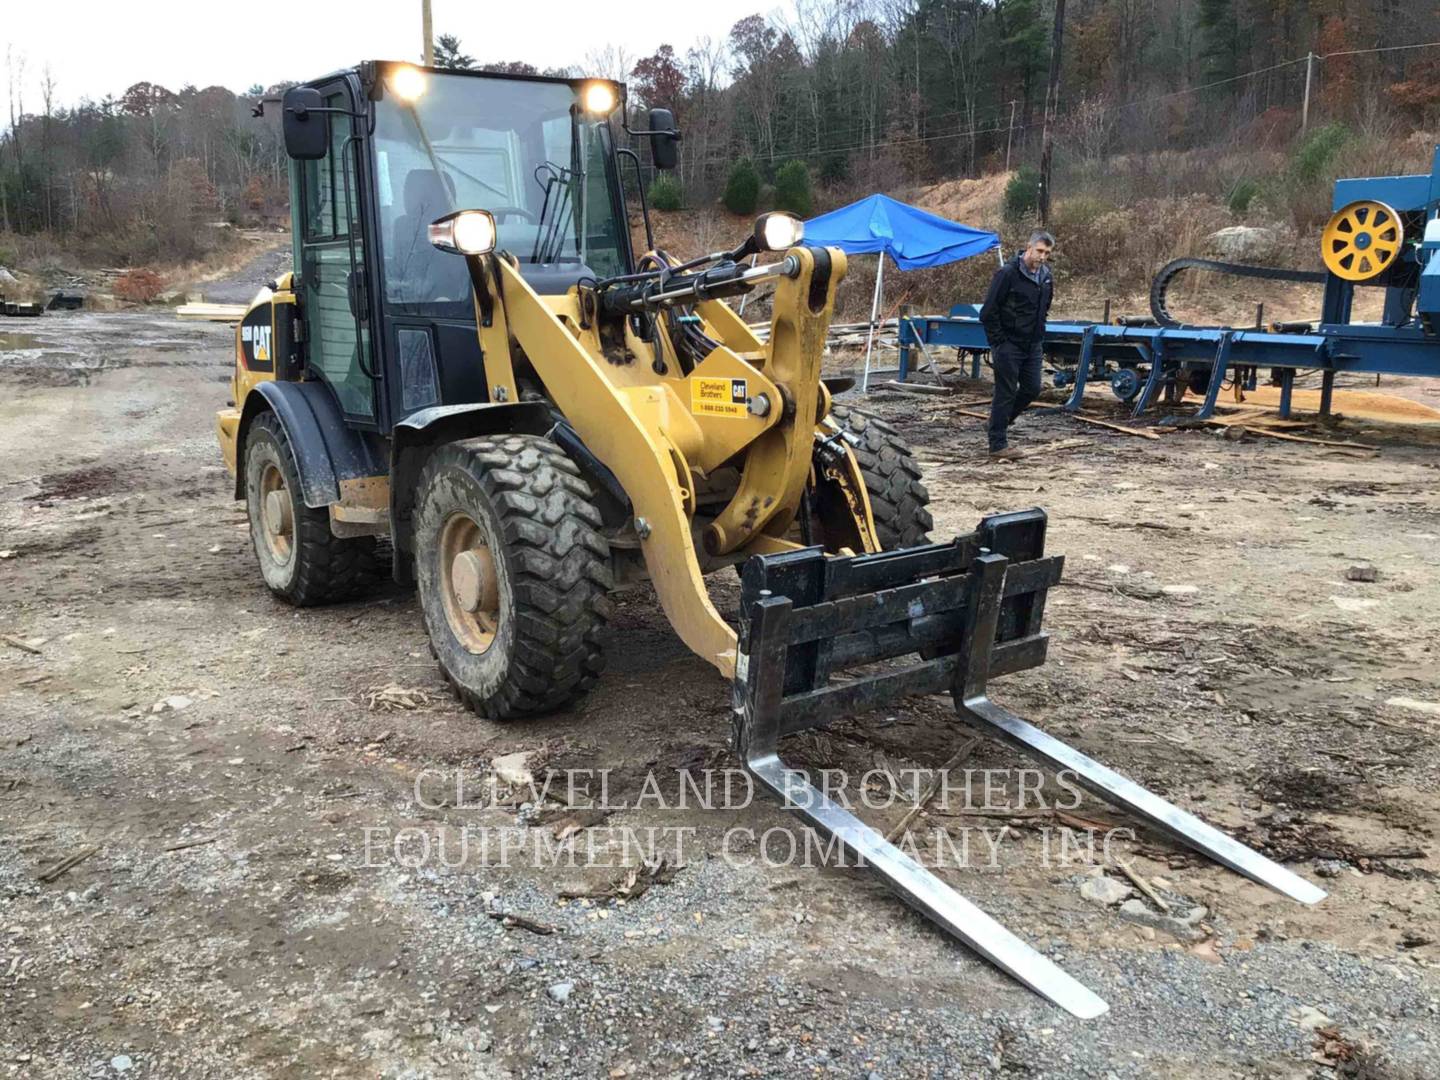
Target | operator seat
(425,273)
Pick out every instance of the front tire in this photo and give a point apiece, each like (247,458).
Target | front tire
(302,561)
(513,574)
(898,499)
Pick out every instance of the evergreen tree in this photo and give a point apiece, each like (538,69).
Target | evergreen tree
(792,188)
(742,188)
(448,54)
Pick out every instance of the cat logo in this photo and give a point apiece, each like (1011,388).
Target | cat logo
(256,340)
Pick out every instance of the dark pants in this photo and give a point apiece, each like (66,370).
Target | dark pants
(1017,384)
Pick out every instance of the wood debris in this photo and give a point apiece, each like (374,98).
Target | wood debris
(15,642)
(65,865)
(936,779)
(397,698)
(510,919)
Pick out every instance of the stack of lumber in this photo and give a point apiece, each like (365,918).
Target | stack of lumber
(846,333)
(212,312)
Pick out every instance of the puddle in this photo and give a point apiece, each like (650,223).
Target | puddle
(11,341)
(75,347)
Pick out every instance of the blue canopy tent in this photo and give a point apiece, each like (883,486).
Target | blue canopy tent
(912,237)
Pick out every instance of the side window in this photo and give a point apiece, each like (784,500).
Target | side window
(326,212)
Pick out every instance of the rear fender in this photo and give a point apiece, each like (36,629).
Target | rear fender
(327,450)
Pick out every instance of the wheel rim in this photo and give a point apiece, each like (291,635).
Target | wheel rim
(469,583)
(277,515)
(1361,240)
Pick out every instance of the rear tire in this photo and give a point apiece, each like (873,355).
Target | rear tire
(302,561)
(513,574)
(898,499)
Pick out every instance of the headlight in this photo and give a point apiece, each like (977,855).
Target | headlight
(407,82)
(598,98)
(465,232)
(778,230)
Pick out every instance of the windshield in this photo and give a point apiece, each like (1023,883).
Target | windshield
(513,147)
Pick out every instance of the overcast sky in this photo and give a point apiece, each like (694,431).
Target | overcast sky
(99,47)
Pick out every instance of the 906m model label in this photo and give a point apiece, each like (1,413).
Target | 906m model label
(718,397)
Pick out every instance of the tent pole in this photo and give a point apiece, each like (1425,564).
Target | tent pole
(874,310)
(746,296)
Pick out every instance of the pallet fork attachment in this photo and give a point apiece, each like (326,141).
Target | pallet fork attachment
(972,609)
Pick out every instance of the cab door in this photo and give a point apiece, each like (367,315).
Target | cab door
(330,253)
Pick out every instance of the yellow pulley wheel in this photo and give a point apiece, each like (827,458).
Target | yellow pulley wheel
(1361,240)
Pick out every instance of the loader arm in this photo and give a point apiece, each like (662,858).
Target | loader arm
(651,433)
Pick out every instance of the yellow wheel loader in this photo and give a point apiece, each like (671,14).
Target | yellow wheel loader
(471,360)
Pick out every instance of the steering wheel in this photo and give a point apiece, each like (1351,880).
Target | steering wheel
(505,211)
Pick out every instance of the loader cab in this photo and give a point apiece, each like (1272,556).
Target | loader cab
(389,320)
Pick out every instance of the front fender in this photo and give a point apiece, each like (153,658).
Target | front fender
(326,449)
(423,430)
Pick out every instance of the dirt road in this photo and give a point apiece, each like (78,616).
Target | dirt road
(244,792)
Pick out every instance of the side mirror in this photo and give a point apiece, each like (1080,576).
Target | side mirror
(664,139)
(307,129)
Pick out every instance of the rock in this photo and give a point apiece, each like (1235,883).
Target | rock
(121,1063)
(1309,1018)
(1180,590)
(173,703)
(1105,891)
(560,991)
(1180,927)
(1245,243)
(1362,572)
(1205,950)
(1330,868)
(7,278)
(513,769)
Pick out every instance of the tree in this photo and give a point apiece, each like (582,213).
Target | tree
(1025,43)
(448,54)
(657,80)
(145,99)
(742,188)
(1022,194)
(792,188)
(1220,39)
(665,193)
(513,67)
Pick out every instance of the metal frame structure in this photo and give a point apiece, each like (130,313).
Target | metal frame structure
(972,609)
(1405,342)
(1084,352)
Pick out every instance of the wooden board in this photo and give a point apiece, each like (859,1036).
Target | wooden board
(212,312)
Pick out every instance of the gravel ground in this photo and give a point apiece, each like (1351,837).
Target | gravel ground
(233,774)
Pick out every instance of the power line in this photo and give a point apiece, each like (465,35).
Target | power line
(916,139)
(1380,49)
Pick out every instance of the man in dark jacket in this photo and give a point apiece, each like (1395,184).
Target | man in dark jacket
(1014,319)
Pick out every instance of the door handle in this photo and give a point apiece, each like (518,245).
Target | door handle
(358,295)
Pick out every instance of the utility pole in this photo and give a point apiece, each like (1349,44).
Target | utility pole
(1009,134)
(1052,107)
(428,52)
(1305,107)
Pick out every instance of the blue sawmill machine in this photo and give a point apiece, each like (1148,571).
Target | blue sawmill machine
(1384,232)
